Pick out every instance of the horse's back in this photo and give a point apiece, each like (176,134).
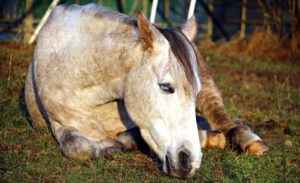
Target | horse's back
(69,21)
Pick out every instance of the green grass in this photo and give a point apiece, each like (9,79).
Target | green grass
(253,89)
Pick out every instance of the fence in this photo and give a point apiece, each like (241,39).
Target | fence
(218,19)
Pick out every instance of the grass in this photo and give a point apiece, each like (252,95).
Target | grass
(263,92)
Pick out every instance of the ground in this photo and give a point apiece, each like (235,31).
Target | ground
(263,93)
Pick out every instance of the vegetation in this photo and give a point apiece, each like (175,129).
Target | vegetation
(262,92)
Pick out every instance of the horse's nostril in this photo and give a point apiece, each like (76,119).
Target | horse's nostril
(184,160)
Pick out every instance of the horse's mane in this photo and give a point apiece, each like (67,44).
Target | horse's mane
(183,51)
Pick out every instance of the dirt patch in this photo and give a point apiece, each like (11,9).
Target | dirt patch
(137,160)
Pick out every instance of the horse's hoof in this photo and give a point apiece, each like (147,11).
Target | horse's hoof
(257,148)
(215,139)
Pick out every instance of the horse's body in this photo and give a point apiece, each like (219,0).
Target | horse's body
(88,57)
(83,68)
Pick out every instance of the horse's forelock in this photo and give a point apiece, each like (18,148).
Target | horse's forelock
(184,52)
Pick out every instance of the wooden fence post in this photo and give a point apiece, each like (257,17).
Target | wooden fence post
(167,8)
(28,21)
(209,21)
(294,21)
(100,2)
(243,19)
(145,7)
(134,8)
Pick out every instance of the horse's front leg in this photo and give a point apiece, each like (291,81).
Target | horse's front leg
(74,144)
(210,105)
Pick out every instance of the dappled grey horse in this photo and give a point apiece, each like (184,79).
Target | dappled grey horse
(98,74)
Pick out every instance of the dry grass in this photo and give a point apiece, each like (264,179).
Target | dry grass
(263,44)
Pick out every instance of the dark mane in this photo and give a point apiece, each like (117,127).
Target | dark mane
(182,49)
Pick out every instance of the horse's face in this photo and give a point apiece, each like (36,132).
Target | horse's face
(160,97)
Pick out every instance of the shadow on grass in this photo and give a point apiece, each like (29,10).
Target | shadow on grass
(23,107)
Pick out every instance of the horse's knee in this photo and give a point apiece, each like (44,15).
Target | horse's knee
(77,147)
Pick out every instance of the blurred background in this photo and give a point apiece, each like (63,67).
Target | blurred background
(219,20)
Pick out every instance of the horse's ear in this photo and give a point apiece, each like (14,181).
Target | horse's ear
(149,34)
(189,29)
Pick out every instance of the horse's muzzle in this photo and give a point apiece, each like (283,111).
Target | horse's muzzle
(183,168)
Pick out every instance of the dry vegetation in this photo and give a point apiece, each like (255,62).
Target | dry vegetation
(262,44)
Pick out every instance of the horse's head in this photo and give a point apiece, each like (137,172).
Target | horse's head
(160,96)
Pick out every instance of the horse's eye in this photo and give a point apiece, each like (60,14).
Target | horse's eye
(166,87)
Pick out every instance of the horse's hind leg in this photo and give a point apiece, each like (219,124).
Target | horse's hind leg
(210,105)
(74,145)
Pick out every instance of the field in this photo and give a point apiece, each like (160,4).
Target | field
(263,93)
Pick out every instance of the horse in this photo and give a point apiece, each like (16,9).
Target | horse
(98,76)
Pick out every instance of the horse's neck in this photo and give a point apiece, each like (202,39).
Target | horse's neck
(117,50)
(100,48)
